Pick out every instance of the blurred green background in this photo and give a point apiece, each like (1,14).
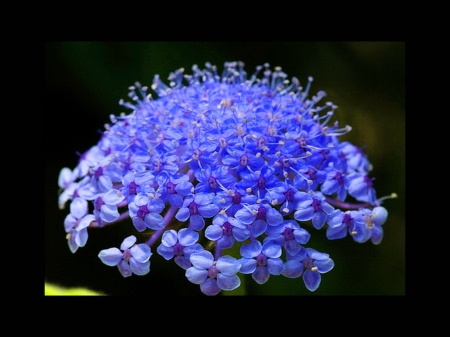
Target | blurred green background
(84,82)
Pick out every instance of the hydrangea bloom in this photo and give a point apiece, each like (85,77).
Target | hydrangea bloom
(220,161)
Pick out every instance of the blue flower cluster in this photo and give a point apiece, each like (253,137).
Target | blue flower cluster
(220,164)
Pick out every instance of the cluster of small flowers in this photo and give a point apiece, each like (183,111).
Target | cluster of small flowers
(224,160)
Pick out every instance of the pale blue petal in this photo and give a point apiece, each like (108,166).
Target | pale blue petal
(139,224)
(275,266)
(292,247)
(226,241)
(113,197)
(78,207)
(175,200)
(141,199)
(109,213)
(128,242)
(81,237)
(183,262)
(245,216)
(85,222)
(156,205)
(304,214)
(311,279)
(110,257)
(154,221)
(182,214)
(184,188)
(241,234)
(124,268)
(301,235)
(69,223)
(209,287)
(258,227)
(261,274)
(105,183)
(228,282)
(248,266)
(165,252)
(139,268)
(376,235)
(293,269)
(196,275)
(324,266)
(227,265)
(251,250)
(141,252)
(236,223)
(203,259)
(271,250)
(208,211)
(273,217)
(318,219)
(213,232)
(197,222)
(71,242)
(169,238)
(187,237)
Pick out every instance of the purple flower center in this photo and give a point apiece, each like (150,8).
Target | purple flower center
(368,181)
(212,272)
(348,220)
(288,234)
(126,255)
(316,205)
(285,162)
(158,165)
(261,260)
(244,160)
(142,211)
(261,143)
(193,208)
(171,188)
(289,194)
(212,183)
(223,143)
(262,183)
(227,228)
(339,178)
(178,249)
(261,215)
(237,198)
(132,188)
(98,203)
(308,263)
(312,174)
(98,172)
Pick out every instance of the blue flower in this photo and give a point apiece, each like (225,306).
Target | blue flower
(196,208)
(353,222)
(217,162)
(179,245)
(226,230)
(310,264)
(258,217)
(76,224)
(288,235)
(213,276)
(261,260)
(144,212)
(313,207)
(105,206)
(374,220)
(131,258)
